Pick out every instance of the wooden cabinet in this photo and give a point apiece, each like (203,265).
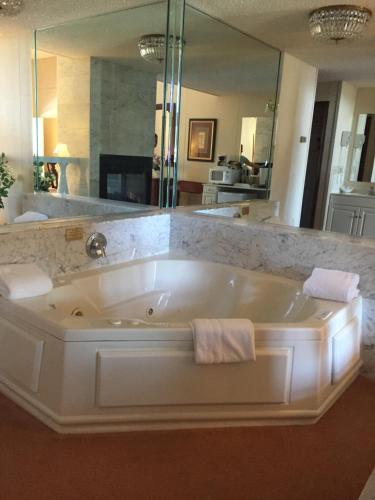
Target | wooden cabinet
(352,214)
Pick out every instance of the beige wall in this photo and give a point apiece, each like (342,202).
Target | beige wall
(73,124)
(64,107)
(229,111)
(47,101)
(16,112)
(73,104)
(64,103)
(294,120)
(365,101)
(47,87)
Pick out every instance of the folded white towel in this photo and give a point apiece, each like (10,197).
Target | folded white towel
(223,340)
(332,285)
(21,281)
(30,217)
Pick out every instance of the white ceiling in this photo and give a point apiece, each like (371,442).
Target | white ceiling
(218,59)
(281,23)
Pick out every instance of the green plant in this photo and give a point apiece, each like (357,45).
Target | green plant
(42,180)
(7,179)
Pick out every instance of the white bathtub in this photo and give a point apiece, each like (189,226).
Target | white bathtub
(112,350)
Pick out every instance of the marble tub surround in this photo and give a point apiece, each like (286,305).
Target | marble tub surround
(130,238)
(56,205)
(281,250)
(256,210)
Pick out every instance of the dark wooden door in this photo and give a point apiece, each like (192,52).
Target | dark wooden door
(314,163)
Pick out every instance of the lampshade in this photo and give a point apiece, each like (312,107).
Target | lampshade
(61,150)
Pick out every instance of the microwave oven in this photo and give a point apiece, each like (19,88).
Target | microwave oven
(224,175)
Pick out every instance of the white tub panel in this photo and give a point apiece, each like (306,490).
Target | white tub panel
(346,350)
(140,377)
(20,355)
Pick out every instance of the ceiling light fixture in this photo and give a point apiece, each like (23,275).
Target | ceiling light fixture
(152,47)
(10,7)
(339,22)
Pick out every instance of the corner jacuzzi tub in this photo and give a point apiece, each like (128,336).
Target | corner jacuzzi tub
(112,350)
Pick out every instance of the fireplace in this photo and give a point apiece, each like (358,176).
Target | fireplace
(126,178)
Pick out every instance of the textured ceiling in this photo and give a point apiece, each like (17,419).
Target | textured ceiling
(281,23)
(218,59)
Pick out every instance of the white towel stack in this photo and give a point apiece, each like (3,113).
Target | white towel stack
(30,217)
(332,285)
(223,340)
(21,281)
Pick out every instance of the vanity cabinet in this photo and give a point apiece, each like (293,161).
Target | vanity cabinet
(367,222)
(352,214)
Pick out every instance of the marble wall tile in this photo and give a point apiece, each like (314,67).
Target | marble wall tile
(277,249)
(128,239)
(122,102)
(57,206)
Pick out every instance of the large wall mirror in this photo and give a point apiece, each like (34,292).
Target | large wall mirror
(229,89)
(111,133)
(362,158)
(341,161)
(100,118)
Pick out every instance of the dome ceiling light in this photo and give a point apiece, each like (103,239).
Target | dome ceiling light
(339,22)
(10,7)
(152,47)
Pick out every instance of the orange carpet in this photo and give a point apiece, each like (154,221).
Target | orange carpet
(329,460)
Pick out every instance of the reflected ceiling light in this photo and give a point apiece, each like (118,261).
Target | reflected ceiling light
(152,47)
(10,7)
(339,22)
(270,106)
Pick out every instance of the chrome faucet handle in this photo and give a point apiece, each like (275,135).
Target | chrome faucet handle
(96,246)
(100,250)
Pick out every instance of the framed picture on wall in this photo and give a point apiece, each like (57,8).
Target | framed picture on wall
(202,136)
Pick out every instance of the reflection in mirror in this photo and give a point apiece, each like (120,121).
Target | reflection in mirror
(339,183)
(112,135)
(99,111)
(228,95)
(363,153)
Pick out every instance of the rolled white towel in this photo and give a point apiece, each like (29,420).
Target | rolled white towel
(21,281)
(30,217)
(332,285)
(223,340)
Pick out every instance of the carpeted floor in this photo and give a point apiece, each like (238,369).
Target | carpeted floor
(329,460)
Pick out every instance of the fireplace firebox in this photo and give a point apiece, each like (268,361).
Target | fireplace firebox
(126,178)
